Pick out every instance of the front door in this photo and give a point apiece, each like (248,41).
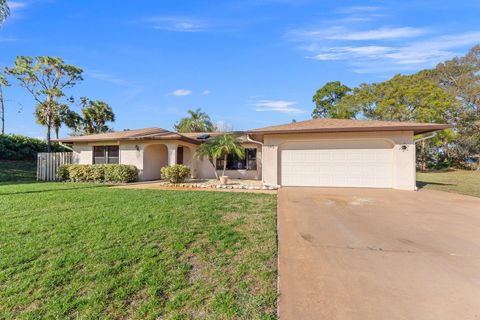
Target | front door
(180,155)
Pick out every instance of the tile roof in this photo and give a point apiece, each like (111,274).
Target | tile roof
(137,134)
(346,125)
(308,126)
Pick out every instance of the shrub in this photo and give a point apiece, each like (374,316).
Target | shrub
(97,173)
(175,173)
(17,147)
(63,173)
(121,173)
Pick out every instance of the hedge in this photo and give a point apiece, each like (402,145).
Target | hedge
(175,173)
(18,147)
(97,173)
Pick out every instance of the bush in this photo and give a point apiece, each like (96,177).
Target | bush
(176,173)
(121,173)
(63,173)
(97,173)
(17,147)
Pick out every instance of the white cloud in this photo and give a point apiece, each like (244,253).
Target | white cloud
(281,106)
(14,5)
(205,92)
(181,92)
(358,9)
(7,39)
(341,33)
(343,53)
(99,75)
(383,33)
(416,54)
(178,24)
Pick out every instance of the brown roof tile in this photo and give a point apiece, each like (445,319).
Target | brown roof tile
(346,125)
(137,134)
(315,125)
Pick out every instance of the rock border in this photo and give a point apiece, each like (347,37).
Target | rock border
(217,186)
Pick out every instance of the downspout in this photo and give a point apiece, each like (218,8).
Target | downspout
(260,143)
(428,136)
(65,146)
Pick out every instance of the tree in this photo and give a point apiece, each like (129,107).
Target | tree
(327,102)
(197,121)
(96,114)
(227,144)
(45,78)
(220,147)
(4,11)
(3,83)
(412,98)
(61,115)
(460,77)
(207,151)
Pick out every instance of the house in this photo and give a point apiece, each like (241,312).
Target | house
(318,152)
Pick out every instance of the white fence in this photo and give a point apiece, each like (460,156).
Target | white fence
(47,164)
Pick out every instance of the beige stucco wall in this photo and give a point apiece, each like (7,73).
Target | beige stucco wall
(403,160)
(152,155)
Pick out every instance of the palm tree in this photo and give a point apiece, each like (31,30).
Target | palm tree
(206,150)
(4,11)
(197,121)
(224,145)
(96,114)
(55,115)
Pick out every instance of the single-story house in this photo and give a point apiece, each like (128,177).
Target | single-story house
(318,152)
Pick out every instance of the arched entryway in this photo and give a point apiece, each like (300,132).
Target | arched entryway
(155,156)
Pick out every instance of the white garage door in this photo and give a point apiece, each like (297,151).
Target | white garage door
(337,164)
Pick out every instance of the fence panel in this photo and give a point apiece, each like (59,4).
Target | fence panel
(47,164)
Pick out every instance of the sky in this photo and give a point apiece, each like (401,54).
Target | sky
(248,64)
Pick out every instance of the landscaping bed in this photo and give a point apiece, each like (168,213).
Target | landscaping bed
(210,184)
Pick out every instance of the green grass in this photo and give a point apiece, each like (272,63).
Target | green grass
(83,251)
(458,181)
(17,171)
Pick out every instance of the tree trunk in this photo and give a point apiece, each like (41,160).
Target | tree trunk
(423,164)
(56,132)
(224,164)
(2,110)
(214,167)
(49,123)
(48,135)
(447,150)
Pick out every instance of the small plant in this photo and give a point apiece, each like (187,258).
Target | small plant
(175,173)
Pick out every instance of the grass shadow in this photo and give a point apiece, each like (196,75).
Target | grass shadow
(422,184)
(49,190)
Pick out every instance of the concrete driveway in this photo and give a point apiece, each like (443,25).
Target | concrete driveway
(378,254)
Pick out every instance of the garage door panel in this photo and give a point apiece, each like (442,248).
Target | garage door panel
(347,167)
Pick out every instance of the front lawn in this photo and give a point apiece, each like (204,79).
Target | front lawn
(458,181)
(17,171)
(78,251)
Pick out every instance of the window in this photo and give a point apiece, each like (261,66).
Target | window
(236,163)
(105,154)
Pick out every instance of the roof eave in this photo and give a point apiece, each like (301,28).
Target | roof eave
(416,129)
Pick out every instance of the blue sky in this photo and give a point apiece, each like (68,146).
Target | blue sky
(247,63)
